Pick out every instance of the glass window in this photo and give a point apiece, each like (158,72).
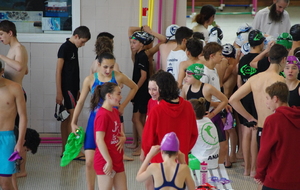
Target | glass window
(42,20)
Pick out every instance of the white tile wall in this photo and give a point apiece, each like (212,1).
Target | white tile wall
(99,15)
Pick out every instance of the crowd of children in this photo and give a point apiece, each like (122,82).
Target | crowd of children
(178,110)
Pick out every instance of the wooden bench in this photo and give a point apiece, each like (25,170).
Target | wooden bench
(219,172)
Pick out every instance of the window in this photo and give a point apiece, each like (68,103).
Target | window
(42,20)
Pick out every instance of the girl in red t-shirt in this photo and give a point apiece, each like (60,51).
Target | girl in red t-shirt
(110,139)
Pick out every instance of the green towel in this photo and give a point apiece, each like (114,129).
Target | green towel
(73,147)
(194,163)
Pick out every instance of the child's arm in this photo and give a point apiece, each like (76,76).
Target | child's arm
(260,56)
(189,180)
(133,89)
(184,91)
(80,103)
(160,37)
(59,95)
(214,92)
(133,29)
(122,139)
(21,109)
(144,172)
(19,62)
(104,152)
(181,75)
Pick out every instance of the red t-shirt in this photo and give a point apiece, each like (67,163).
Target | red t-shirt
(108,122)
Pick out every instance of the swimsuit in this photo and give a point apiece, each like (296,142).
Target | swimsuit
(169,183)
(89,141)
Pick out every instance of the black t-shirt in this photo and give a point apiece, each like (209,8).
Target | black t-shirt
(263,64)
(141,63)
(70,71)
(244,69)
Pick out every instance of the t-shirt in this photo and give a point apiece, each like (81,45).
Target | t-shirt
(70,71)
(263,23)
(108,122)
(202,29)
(245,70)
(211,77)
(207,144)
(141,62)
(173,61)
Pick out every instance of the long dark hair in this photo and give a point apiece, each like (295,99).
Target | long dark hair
(205,13)
(99,94)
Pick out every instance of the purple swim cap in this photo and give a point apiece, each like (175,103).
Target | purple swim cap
(293,60)
(170,142)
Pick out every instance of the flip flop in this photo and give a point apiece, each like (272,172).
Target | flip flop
(80,158)
(230,166)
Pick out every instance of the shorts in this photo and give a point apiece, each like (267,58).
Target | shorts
(268,188)
(70,98)
(139,107)
(217,120)
(7,146)
(258,136)
(117,160)
(89,140)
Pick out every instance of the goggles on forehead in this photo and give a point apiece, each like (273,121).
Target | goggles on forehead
(192,73)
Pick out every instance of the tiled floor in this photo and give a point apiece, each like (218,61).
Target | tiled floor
(44,172)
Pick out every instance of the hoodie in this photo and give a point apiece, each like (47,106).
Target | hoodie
(169,117)
(278,160)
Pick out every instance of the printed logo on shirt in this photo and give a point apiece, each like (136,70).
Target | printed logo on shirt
(141,65)
(73,56)
(247,70)
(115,132)
(209,134)
(212,157)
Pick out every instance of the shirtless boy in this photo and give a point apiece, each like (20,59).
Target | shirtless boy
(17,57)
(257,84)
(12,102)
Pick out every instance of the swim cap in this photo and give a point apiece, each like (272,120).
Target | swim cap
(243,29)
(142,37)
(170,142)
(267,40)
(170,31)
(196,70)
(245,49)
(293,60)
(285,39)
(241,39)
(295,32)
(228,51)
(255,38)
(219,32)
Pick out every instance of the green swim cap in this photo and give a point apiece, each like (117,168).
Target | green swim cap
(196,70)
(285,39)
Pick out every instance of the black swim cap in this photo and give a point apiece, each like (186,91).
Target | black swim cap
(295,32)
(255,38)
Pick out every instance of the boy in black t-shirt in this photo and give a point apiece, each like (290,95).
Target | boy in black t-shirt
(67,76)
(140,76)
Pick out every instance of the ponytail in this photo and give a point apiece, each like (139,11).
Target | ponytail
(100,92)
(199,106)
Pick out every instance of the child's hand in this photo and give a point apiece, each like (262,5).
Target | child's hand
(258,181)
(121,109)
(107,169)
(74,128)
(181,157)
(147,29)
(154,150)
(120,144)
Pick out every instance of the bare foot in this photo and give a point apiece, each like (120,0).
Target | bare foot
(246,173)
(232,158)
(127,158)
(131,146)
(137,152)
(252,174)
(22,174)
(239,155)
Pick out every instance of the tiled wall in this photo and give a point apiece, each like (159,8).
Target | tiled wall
(114,16)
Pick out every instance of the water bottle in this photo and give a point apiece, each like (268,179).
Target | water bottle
(203,172)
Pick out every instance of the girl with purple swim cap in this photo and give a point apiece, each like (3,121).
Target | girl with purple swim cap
(291,71)
(171,154)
